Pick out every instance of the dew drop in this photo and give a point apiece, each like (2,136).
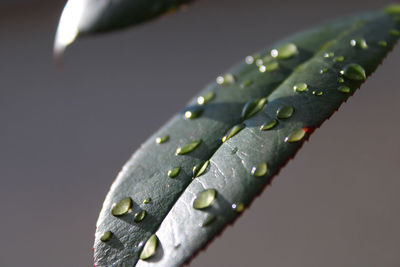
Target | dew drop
(394,33)
(300,87)
(246,83)
(140,216)
(284,52)
(162,139)
(260,170)
(226,79)
(324,70)
(284,112)
(122,207)
(296,136)
(354,72)
(269,125)
(329,55)
(382,43)
(259,62)
(232,132)
(340,80)
(106,236)
(200,169)
(147,200)
(149,248)
(188,147)
(194,113)
(205,199)
(269,67)
(174,172)
(344,89)
(249,60)
(317,93)
(234,151)
(359,43)
(201,100)
(338,59)
(252,107)
(209,220)
(238,207)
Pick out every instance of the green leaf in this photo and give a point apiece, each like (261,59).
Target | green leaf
(82,17)
(314,72)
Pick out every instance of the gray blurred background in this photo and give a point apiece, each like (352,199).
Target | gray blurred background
(65,135)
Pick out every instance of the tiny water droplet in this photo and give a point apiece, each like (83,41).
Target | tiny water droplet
(162,139)
(234,150)
(300,87)
(344,89)
(209,220)
(393,9)
(238,207)
(382,43)
(329,55)
(149,248)
(205,199)
(317,93)
(252,107)
(200,169)
(284,112)
(106,236)
(296,136)
(338,59)
(232,132)
(394,33)
(260,170)
(359,43)
(324,70)
(284,52)
(174,172)
(122,207)
(249,60)
(188,147)
(269,125)
(246,83)
(194,113)
(140,216)
(226,79)
(201,100)
(147,200)
(340,80)
(354,72)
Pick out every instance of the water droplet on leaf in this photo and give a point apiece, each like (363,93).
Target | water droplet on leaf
(249,60)
(393,9)
(300,87)
(246,83)
(232,132)
(260,170)
(284,112)
(354,72)
(106,236)
(205,199)
(162,139)
(174,172)
(339,59)
(238,207)
(252,107)
(296,136)
(359,43)
(269,125)
(317,93)
(226,79)
(284,52)
(140,216)
(147,200)
(201,100)
(394,33)
(122,207)
(200,169)
(382,43)
(188,147)
(149,248)
(194,113)
(344,89)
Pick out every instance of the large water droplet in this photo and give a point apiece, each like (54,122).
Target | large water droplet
(354,72)
(149,248)
(162,139)
(106,236)
(284,52)
(284,112)
(344,89)
(300,87)
(269,125)
(188,147)
(147,200)
(209,220)
(201,100)
(226,79)
(359,43)
(238,207)
(122,207)
(260,170)
(393,9)
(205,199)
(140,216)
(194,113)
(232,132)
(252,107)
(200,169)
(174,172)
(296,136)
